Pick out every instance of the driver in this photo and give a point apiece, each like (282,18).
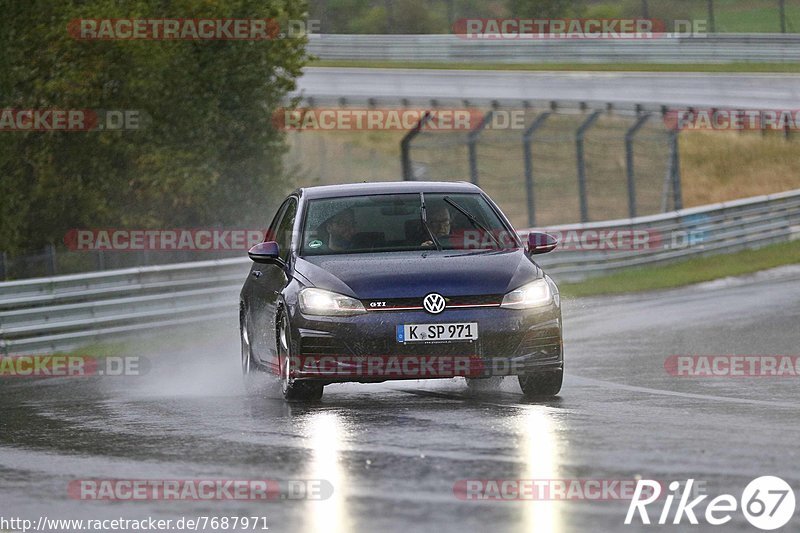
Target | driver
(439,222)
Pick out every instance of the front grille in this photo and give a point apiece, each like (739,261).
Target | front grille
(433,349)
(318,346)
(390,304)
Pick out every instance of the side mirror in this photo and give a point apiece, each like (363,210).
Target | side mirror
(265,252)
(541,243)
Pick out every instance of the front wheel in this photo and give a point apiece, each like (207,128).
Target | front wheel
(541,384)
(251,371)
(293,390)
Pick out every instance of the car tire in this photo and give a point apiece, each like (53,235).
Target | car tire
(541,384)
(484,384)
(293,390)
(250,369)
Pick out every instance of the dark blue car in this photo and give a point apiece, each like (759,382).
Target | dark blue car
(412,280)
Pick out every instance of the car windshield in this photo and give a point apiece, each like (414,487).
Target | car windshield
(394,222)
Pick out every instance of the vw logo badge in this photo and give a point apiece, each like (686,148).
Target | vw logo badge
(433,303)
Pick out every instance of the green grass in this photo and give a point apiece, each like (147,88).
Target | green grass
(741,67)
(686,272)
(749,16)
(98,350)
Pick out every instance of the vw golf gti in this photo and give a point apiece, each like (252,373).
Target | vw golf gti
(411,280)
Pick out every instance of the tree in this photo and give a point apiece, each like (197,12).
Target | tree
(542,9)
(207,154)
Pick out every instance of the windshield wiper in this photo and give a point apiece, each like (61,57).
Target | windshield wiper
(475,222)
(423,213)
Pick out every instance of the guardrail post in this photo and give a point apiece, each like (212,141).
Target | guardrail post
(472,145)
(579,137)
(527,137)
(3,262)
(629,135)
(645,10)
(405,146)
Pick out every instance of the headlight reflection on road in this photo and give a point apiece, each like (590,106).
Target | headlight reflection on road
(325,433)
(542,459)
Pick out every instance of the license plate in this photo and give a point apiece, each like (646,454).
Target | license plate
(464,331)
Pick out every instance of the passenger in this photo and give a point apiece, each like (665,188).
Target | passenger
(340,229)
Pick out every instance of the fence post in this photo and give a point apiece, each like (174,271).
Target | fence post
(675,169)
(323,156)
(629,135)
(50,257)
(527,137)
(472,142)
(579,136)
(782,10)
(712,26)
(405,147)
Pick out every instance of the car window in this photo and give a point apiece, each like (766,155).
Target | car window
(272,231)
(283,230)
(393,222)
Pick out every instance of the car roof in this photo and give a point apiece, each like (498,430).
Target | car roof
(387,187)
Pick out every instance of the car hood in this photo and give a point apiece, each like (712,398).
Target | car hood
(412,274)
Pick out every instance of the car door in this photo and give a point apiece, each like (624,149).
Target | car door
(267,281)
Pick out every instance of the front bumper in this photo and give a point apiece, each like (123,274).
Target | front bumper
(365,348)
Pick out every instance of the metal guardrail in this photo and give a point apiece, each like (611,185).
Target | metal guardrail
(665,237)
(48,314)
(711,48)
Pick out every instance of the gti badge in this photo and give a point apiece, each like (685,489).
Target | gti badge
(434,303)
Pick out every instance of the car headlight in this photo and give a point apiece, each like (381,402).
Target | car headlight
(327,303)
(533,294)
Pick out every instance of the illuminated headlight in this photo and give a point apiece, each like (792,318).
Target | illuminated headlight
(327,303)
(533,294)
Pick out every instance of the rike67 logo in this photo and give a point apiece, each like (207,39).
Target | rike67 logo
(768,503)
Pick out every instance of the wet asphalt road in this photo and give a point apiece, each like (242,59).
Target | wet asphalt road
(393,452)
(746,91)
